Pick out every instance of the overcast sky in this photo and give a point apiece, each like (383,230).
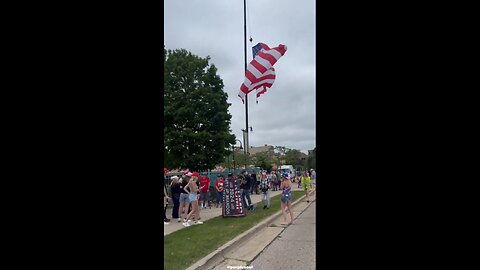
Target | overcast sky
(285,114)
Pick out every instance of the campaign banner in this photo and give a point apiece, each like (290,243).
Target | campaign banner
(232,202)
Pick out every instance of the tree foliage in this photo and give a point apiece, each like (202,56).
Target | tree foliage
(263,160)
(293,157)
(196,118)
(311,161)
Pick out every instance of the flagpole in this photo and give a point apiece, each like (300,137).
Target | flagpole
(245,143)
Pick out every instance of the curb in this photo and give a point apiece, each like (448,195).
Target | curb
(217,256)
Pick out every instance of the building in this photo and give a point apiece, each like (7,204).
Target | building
(260,149)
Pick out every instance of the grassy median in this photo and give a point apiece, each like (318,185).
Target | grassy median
(188,245)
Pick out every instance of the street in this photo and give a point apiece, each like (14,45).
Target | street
(294,248)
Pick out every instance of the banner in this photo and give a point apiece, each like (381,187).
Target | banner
(232,201)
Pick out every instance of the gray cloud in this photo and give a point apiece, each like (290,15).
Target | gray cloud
(285,114)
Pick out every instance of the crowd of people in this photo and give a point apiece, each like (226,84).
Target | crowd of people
(186,193)
(191,188)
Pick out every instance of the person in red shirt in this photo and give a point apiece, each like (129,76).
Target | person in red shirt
(204,188)
(219,188)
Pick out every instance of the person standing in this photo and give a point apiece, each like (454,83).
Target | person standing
(253,181)
(184,203)
(175,190)
(219,189)
(313,178)
(279,179)
(286,198)
(305,179)
(165,204)
(269,179)
(246,191)
(204,189)
(192,198)
(274,181)
(241,180)
(264,187)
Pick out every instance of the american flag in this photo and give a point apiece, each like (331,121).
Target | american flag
(260,73)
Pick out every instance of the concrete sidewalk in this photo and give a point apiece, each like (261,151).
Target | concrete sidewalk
(248,252)
(206,214)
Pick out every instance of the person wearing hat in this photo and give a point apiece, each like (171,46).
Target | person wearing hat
(286,198)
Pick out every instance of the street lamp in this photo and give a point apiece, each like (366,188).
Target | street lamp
(233,152)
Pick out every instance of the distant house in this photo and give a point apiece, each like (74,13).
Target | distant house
(260,149)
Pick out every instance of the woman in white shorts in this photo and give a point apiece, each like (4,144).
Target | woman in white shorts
(192,198)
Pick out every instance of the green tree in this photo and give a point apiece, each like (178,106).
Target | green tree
(310,162)
(263,160)
(196,130)
(241,159)
(293,157)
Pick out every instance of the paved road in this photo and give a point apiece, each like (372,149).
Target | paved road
(294,248)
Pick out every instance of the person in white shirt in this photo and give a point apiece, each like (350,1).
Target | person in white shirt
(312,178)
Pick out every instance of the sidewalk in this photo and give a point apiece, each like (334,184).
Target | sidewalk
(247,247)
(206,214)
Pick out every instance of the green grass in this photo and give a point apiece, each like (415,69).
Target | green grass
(188,245)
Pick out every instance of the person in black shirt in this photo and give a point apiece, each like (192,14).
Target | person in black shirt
(255,183)
(184,202)
(246,191)
(175,190)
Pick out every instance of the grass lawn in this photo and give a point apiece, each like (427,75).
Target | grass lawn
(188,245)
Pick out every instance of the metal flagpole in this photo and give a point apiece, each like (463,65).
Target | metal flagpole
(245,143)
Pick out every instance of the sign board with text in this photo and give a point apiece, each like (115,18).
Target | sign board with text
(232,202)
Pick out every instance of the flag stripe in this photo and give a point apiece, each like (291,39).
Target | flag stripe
(272,59)
(267,80)
(269,74)
(261,91)
(264,46)
(255,72)
(259,64)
